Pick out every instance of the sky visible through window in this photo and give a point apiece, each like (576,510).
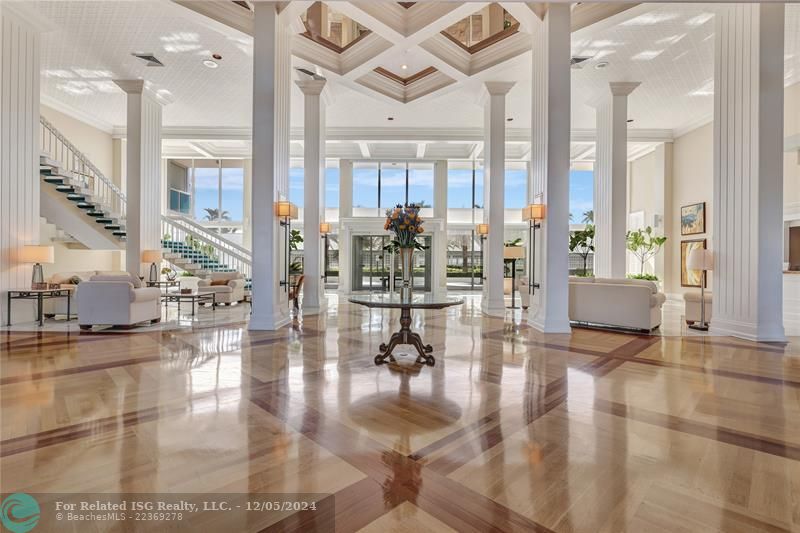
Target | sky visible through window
(206,190)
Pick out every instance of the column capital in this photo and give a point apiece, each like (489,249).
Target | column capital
(623,88)
(311,87)
(130,86)
(498,87)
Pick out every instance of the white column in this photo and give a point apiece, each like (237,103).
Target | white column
(748,172)
(494,165)
(440,212)
(550,146)
(345,212)
(611,182)
(19,154)
(271,103)
(313,193)
(142,174)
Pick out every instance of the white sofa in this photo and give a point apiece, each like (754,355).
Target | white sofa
(58,306)
(117,300)
(619,303)
(692,307)
(228,286)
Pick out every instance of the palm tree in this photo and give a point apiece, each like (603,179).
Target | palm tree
(215,214)
(588,217)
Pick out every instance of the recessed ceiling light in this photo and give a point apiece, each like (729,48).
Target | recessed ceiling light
(210,63)
(630,120)
(404,66)
(601,65)
(217,56)
(389,118)
(509,119)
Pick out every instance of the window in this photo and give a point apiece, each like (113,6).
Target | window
(581,196)
(393,185)
(387,184)
(332,185)
(459,185)
(516,185)
(420,184)
(206,189)
(365,189)
(232,182)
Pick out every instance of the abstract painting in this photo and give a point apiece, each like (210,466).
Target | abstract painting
(690,278)
(693,219)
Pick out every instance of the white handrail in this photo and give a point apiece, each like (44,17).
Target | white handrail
(227,253)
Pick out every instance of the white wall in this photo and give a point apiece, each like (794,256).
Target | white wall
(95,144)
(76,260)
(19,153)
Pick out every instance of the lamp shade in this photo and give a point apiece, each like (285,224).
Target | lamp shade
(513,252)
(533,212)
(151,256)
(700,259)
(324,227)
(283,209)
(35,253)
(482,229)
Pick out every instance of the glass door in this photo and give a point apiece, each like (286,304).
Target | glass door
(371,264)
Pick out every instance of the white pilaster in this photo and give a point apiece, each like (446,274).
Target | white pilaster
(19,154)
(550,146)
(440,212)
(271,104)
(494,164)
(313,193)
(142,175)
(611,182)
(345,213)
(748,172)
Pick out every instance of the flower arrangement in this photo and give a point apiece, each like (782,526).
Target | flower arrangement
(406,224)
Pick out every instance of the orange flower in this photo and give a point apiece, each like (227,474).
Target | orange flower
(394,215)
(402,226)
(420,229)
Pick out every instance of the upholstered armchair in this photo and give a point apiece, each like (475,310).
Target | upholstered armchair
(228,286)
(116,301)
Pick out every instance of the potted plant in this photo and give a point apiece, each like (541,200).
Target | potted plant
(405,224)
(169,273)
(644,245)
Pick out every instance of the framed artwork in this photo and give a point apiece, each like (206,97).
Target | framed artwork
(693,219)
(690,278)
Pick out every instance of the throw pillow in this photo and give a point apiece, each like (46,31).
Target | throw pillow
(74,280)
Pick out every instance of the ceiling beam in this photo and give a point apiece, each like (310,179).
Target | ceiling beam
(364,147)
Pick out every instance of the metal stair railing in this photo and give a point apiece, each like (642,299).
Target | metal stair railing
(70,158)
(236,257)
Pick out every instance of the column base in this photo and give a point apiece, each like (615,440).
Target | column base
(540,322)
(496,309)
(315,309)
(268,323)
(747,330)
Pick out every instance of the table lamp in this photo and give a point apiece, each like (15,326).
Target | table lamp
(703,260)
(37,254)
(152,257)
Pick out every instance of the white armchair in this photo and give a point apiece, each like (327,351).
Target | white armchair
(228,286)
(113,300)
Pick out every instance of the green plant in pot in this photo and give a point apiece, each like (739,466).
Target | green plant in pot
(644,245)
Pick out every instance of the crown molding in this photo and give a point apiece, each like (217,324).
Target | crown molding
(75,113)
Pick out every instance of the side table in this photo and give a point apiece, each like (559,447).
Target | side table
(39,295)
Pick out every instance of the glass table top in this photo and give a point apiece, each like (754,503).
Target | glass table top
(417,301)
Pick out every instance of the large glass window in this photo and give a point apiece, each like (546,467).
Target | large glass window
(420,184)
(365,188)
(233,190)
(516,185)
(296,177)
(460,185)
(332,185)
(393,184)
(206,190)
(581,196)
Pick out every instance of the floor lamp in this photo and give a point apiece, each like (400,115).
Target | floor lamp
(702,260)
(482,230)
(532,214)
(324,229)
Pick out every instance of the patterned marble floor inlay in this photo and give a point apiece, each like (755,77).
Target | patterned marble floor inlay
(511,430)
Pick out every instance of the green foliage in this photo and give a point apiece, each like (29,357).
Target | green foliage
(644,245)
(582,243)
(186,274)
(295,238)
(648,277)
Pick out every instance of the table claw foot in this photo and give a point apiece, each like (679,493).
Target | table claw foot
(428,348)
(425,360)
(383,347)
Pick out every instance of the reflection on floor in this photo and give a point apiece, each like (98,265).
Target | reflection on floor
(512,429)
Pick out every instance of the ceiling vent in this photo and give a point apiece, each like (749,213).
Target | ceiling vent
(576,61)
(150,59)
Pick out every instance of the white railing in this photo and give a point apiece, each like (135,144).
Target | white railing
(180,229)
(70,158)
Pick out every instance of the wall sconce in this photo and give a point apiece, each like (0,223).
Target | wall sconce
(324,229)
(532,213)
(286,211)
(482,230)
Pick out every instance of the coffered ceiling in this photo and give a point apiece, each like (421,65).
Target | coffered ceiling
(668,47)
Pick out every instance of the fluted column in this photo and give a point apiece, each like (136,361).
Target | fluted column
(494,164)
(142,174)
(550,146)
(611,182)
(748,172)
(270,183)
(313,193)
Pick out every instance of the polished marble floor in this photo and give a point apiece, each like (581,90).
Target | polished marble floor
(511,430)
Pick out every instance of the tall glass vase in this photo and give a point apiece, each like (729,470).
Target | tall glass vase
(406,265)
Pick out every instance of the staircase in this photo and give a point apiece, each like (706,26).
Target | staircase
(76,196)
(90,209)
